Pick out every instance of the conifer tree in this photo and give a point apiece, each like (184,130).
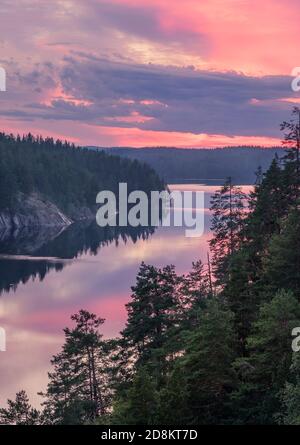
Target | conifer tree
(282,262)
(139,404)
(228,213)
(194,290)
(241,295)
(196,286)
(173,400)
(244,288)
(268,205)
(264,372)
(291,131)
(19,411)
(152,313)
(78,387)
(290,395)
(207,364)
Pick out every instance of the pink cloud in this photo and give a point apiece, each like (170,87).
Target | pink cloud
(250,36)
(243,35)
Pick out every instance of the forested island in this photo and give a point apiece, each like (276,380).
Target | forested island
(53,183)
(211,347)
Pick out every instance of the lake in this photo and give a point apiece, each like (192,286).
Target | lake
(47,275)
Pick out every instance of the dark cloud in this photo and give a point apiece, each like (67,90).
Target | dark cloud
(101,92)
(185,99)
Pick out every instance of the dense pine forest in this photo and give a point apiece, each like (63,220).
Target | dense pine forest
(68,176)
(211,347)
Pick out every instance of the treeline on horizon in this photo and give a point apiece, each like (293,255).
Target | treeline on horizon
(177,164)
(213,346)
(69,176)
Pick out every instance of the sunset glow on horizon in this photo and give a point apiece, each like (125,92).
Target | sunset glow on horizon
(150,73)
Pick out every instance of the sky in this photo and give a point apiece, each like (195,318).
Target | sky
(193,73)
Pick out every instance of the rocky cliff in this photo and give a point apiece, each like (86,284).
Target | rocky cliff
(35,211)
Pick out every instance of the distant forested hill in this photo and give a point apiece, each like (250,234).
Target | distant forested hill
(63,175)
(174,164)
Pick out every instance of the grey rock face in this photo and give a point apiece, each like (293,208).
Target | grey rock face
(33,211)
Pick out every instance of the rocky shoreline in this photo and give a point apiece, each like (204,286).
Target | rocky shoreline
(36,211)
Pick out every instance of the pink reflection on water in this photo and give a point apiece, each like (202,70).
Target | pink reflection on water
(35,315)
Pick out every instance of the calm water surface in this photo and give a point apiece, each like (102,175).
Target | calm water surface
(46,276)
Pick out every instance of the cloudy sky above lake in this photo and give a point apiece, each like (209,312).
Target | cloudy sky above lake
(193,73)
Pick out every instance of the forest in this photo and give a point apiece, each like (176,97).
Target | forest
(68,176)
(176,165)
(211,347)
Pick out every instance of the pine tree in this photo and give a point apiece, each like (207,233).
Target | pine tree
(241,295)
(66,400)
(268,205)
(193,292)
(195,286)
(152,313)
(244,287)
(78,386)
(228,213)
(19,412)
